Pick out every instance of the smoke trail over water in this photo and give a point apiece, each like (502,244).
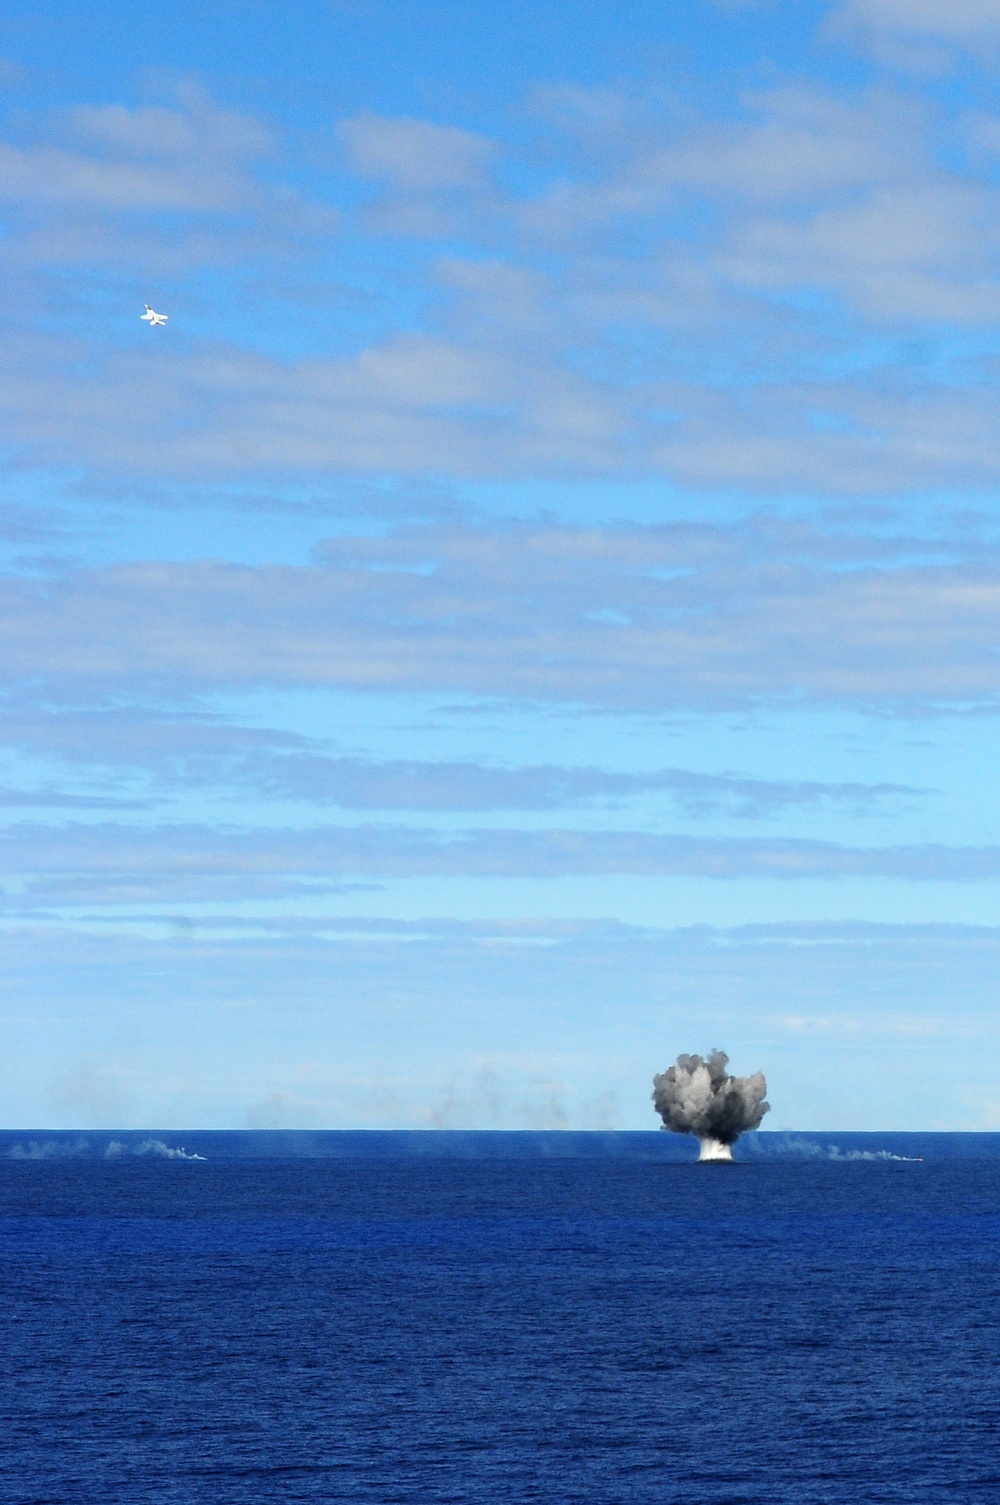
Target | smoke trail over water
(82,1149)
(149,1147)
(797,1146)
(49,1149)
(699,1097)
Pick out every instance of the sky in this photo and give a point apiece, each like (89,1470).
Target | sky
(535,607)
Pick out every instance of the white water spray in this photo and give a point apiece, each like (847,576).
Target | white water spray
(714,1149)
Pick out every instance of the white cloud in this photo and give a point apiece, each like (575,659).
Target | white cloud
(633,618)
(920,33)
(433,406)
(415,404)
(196,128)
(53,176)
(717,302)
(178,752)
(157,190)
(96,865)
(811,192)
(414,155)
(193,158)
(948,19)
(919,251)
(793,146)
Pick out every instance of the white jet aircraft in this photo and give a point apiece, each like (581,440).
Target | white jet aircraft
(152,318)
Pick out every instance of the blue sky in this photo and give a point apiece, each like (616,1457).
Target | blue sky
(535,608)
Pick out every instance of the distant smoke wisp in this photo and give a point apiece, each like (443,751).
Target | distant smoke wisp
(49,1149)
(82,1149)
(149,1147)
(699,1097)
(795,1145)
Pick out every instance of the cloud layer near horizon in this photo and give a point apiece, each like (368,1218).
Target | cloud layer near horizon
(561,1022)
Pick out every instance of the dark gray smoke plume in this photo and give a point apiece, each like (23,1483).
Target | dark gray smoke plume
(699,1097)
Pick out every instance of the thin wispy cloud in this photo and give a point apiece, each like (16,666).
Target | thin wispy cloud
(177,753)
(630,618)
(921,34)
(102,864)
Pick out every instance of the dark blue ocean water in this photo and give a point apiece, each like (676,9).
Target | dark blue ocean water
(431,1319)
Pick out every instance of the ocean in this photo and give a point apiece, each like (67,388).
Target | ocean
(581,1319)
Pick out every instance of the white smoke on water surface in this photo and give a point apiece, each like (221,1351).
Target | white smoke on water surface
(82,1149)
(49,1149)
(770,1146)
(154,1148)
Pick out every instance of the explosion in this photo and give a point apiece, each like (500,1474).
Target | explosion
(699,1097)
